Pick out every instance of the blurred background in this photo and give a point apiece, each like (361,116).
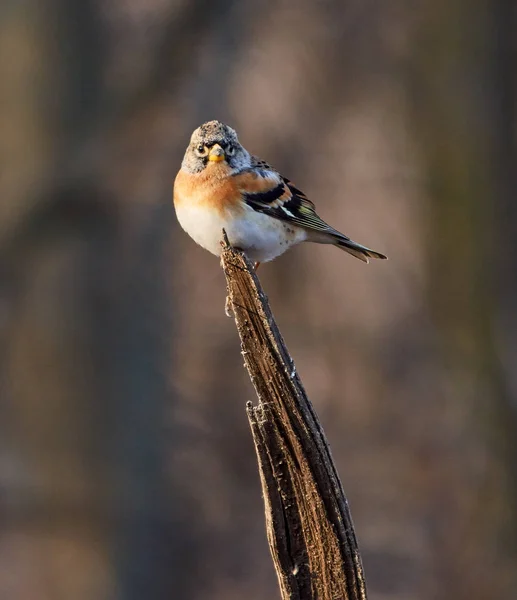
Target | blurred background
(127,469)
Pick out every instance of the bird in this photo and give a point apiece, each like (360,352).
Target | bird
(220,185)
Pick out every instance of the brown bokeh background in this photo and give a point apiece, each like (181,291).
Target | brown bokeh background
(126,464)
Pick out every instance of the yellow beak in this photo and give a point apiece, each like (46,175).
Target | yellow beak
(216,153)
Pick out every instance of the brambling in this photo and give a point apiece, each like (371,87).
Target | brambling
(222,186)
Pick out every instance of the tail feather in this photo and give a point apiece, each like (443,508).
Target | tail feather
(334,237)
(361,252)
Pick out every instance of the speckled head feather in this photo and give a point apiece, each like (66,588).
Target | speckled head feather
(205,137)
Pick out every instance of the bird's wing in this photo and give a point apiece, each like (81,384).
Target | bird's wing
(266,191)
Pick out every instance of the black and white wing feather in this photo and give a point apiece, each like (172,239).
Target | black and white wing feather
(266,191)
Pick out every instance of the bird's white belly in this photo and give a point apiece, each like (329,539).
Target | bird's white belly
(261,237)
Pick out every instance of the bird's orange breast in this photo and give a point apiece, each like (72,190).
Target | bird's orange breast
(211,189)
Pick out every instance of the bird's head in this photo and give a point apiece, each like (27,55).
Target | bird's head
(215,143)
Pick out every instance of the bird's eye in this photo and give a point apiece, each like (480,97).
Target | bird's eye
(201,150)
(230,150)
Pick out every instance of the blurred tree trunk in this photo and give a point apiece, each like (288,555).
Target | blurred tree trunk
(468,152)
(503,58)
(86,329)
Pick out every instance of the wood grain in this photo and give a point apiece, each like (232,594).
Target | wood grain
(308,522)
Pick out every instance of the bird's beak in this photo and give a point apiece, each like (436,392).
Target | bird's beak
(216,153)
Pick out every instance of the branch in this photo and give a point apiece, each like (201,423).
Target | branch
(308,522)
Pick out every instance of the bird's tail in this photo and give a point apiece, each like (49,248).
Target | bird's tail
(361,252)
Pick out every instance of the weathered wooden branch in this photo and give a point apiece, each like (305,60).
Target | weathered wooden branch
(308,522)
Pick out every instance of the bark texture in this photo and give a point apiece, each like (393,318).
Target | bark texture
(308,522)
